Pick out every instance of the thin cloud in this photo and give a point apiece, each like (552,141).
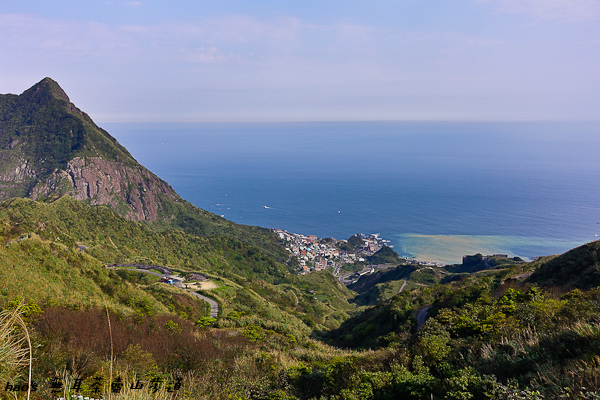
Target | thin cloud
(358,33)
(243,65)
(566,10)
(29,33)
(218,40)
(208,55)
(445,38)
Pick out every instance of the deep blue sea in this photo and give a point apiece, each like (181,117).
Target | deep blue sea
(436,190)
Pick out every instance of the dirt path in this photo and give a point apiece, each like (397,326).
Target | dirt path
(402,288)
(208,285)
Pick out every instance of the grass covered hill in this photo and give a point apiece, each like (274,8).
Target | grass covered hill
(250,281)
(385,284)
(385,255)
(577,268)
(500,336)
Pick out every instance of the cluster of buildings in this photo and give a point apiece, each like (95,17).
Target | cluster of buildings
(313,254)
(316,254)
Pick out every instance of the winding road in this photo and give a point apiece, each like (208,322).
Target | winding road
(422,316)
(214,306)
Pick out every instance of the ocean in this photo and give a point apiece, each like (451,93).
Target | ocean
(436,190)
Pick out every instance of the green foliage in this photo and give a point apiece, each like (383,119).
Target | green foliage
(385,284)
(345,246)
(113,239)
(49,131)
(43,130)
(366,282)
(137,277)
(402,383)
(485,337)
(140,361)
(356,241)
(205,322)
(341,373)
(468,384)
(385,255)
(369,328)
(291,339)
(432,343)
(173,326)
(27,310)
(469,261)
(234,315)
(577,268)
(252,333)
(256,284)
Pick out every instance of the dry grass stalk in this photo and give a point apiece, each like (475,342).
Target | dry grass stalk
(111,351)
(12,353)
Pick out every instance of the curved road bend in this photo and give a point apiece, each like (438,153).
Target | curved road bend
(422,316)
(214,306)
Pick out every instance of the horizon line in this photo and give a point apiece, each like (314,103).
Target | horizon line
(294,121)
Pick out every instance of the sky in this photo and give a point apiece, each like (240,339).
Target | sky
(326,60)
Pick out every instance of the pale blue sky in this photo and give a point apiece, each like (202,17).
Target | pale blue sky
(153,60)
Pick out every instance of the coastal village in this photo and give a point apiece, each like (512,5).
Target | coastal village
(316,254)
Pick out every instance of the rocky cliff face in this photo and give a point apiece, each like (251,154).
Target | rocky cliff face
(51,148)
(133,192)
(16,175)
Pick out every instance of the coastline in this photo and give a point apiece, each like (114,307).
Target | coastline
(450,249)
(420,248)
(317,253)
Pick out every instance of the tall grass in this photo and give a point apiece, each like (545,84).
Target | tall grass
(13,353)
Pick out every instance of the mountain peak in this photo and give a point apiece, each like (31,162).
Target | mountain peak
(45,89)
(49,148)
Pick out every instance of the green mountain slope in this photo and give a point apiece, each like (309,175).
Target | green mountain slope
(250,280)
(383,285)
(44,131)
(50,148)
(577,268)
(491,302)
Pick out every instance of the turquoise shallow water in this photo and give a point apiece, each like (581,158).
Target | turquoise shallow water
(436,190)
